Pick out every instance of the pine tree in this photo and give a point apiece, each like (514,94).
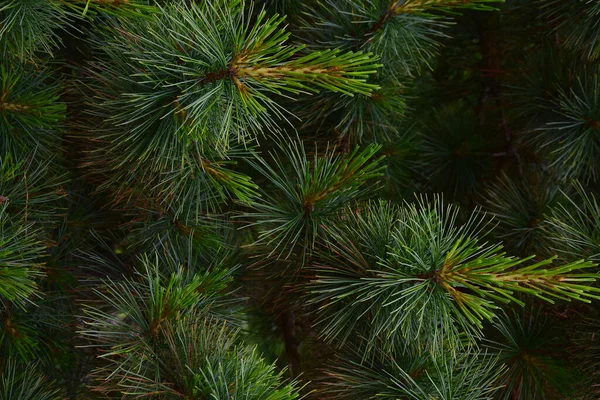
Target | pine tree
(318,199)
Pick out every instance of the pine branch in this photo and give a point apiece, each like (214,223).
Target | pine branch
(574,227)
(528,345)
(27,196)
(162,336)
(577,23)
(415,273)
(25,382)
(20,255)
(218,90)
(27,26)
(117,8)
(571,134)
(405,375)
(454,156)
(426,6)
(31,114)
(520,206)
(308,194)
(139,310)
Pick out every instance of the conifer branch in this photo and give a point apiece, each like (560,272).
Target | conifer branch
(309,195)
(424,6)
(408,270)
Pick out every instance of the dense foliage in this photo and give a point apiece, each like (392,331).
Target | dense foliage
(285,199)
